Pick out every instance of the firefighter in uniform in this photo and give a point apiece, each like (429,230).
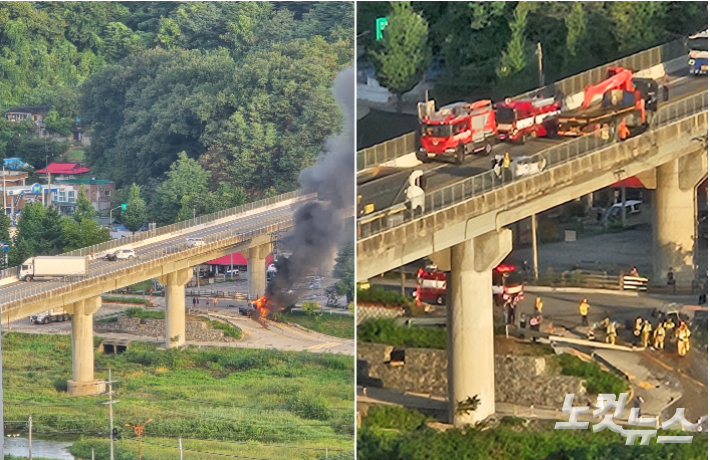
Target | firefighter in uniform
(668,325)
(683,337)
(659,337)
(638,324)
(584,311)
(610,332)
(538,305)
(505,167)
(646,333)
(624,131)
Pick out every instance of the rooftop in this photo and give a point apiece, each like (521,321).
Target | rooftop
(64,168)
(30,109)
(84,181)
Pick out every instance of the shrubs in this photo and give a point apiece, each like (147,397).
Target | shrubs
(136,300)
(598,381)
(388,332)
(308,406)
(227,329)
(394,417)
(137,312)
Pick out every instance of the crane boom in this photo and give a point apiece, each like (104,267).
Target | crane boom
(619,78)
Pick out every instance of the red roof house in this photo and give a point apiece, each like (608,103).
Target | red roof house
(64,169)
(239,259)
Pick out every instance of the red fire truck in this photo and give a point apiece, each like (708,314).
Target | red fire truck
(519,120)
(431,285)
(456,130)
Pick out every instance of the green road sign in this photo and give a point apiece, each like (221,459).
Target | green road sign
(380,24)
(124,206)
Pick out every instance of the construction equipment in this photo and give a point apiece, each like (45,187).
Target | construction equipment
(618,100)
(456,130)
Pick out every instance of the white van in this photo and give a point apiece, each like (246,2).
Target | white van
(614,212)
(194,242)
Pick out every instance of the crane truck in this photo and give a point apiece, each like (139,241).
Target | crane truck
(47,267)
(619,98)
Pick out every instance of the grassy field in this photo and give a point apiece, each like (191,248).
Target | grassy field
(233,401)
(75,155)
(337,325)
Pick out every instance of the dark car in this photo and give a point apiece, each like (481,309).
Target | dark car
(245,311)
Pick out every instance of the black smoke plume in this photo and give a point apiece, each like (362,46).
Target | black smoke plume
(318,226)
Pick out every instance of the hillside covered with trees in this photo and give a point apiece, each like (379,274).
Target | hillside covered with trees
(204,105)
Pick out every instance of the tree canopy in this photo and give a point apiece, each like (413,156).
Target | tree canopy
(487,49)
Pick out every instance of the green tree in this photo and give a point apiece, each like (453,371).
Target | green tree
(5,223)
(310,307)
(186,178)
(82,234)
(403,54)
(636,23)
(226,196)
(20,250)
(576,27)
(514,57)
(84,208)
(344,270)
(187,209)
(135,216)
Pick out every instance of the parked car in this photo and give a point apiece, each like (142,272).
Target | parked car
(232,273)
(122,254)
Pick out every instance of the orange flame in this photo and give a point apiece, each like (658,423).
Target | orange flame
(260,305)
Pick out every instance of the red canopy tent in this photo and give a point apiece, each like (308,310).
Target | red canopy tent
(238,259)
(629,182)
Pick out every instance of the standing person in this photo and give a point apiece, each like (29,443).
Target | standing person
(523,321)
(535,322)
(634,272)
(668,326)
(207,302)
(194,302)
(215,302)
(624,131)
(511,312)
(659,336)
(638,325)
(584,311)
(646,333)
(538,305)
(505,163)
(610,332)
(683,337)
(671,278)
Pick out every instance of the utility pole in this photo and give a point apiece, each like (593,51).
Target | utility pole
(623,207)
(540,75)
(533,224)
(92,454)
(110,403)
(30,423)
(138,430)
(401,271)
(180,447)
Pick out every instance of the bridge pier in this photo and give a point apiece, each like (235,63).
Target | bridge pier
(675,223)
(470,324)
(82,348)
(257,270)
(175,306)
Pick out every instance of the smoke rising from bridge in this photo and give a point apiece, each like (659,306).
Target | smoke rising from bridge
(319,225)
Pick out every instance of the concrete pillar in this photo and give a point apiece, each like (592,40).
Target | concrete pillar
(257,270)
(674,227)
(82,348)
(470,324)
(175,306)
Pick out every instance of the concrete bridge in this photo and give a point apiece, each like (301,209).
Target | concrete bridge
(164,254)
(462,228)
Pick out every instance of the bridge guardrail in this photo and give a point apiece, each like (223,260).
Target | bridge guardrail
(386,151)
(178,226)
(403,145)
(154,255)
(489,180)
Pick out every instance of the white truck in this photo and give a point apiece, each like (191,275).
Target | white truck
(57,314)
(53,267)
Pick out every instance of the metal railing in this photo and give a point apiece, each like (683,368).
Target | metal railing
(163,253)
(437,200)
(403,145)
(176,227)
(386,151)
